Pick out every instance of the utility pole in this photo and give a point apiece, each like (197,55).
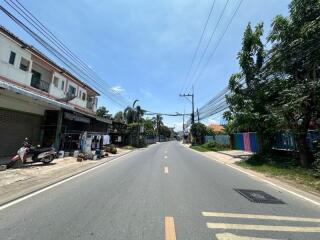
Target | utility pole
(184,112)
(198,115)
(192,102)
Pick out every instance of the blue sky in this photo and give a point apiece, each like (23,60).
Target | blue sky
(143,48)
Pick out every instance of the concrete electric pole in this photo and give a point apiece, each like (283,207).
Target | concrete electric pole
(192,102)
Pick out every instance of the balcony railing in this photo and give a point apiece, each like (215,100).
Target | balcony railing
(90,105)
(41,85)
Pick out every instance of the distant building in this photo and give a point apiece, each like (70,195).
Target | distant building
(39,99)
(216,127)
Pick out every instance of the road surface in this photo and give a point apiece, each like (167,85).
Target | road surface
(163,192)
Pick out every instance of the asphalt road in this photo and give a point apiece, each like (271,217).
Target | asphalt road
(163,192)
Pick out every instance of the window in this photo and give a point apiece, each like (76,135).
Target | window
(80,93)
(72,90)
(83,96)
(62,85)
(35,79)
(24,64)
(55,82)
(12,57)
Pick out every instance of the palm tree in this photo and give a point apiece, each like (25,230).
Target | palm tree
(133,114)
(158,123)
(129,115)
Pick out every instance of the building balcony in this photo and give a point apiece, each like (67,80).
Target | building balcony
(40,84)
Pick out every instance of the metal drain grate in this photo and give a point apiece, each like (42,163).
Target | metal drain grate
(258,196)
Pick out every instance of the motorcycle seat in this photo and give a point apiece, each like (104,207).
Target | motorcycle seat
(41,150)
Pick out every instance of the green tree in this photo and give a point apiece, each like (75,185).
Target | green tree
(119,117)
(248,98)
(157,123)
(148,127)
(165,131)
(198,131)
(134,113)
(103,112)
(294,70)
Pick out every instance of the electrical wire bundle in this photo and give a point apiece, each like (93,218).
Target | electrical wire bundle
(39,32)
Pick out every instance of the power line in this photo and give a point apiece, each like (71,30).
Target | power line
(28,16)
(208,43)
(198,45)
(218,43)
(79,69)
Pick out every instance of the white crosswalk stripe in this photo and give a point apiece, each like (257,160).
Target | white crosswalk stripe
(218,225)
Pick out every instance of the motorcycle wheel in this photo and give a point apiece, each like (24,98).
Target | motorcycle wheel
(47,159)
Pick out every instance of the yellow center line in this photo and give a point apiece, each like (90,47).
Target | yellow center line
(166,170)
(263,228)
(260,217)
(170,230)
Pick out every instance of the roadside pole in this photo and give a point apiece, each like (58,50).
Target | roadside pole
(192,102)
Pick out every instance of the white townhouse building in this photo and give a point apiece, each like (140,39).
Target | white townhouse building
(39,99)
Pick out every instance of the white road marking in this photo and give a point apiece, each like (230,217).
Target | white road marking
(260,217)
(263,228)
(230,236)
(165,157)
(262,180)
(55,184)
(166,170)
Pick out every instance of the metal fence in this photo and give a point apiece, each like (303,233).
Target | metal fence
(285,141)
(220,138)
(247,141)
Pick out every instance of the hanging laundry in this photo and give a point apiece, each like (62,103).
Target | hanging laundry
(106,139)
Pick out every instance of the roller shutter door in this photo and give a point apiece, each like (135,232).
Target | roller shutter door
(14,127)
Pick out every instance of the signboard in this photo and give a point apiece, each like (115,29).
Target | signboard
(76,118)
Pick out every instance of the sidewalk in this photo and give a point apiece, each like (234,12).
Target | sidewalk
(231,156)
(18,182)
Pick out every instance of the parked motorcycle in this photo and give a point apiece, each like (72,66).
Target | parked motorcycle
(28,153)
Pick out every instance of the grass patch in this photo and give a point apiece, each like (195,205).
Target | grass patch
(283,167)
(210,146)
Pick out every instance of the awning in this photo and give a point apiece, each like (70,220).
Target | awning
(101,119)
(14,88)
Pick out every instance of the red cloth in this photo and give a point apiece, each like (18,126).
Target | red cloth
(246,142)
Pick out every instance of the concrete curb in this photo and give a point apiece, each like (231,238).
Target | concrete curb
(34,189)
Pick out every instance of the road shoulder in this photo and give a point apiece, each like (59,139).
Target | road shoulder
(17,183)
(279,184)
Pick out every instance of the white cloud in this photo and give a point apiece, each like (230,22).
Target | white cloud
(117,89)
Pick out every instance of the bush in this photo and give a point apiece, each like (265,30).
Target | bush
(110,148)
(139,143)
(316,163)
(215,146)
(198,131)
(113,150)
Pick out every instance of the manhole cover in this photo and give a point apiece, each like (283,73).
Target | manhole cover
(258,196)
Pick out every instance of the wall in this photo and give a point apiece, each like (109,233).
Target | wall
(78,100)
(58,92)
(13,71)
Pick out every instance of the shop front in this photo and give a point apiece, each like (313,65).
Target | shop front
(70,131)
